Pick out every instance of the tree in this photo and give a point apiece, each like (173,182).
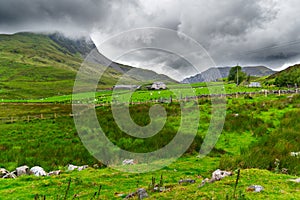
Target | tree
(236,75)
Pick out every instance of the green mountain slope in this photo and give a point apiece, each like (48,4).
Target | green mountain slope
(287,77)
(37,66)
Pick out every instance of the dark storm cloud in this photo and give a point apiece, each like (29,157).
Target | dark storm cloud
(71,17)
(232,31)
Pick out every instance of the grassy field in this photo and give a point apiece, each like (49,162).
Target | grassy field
(53,143)
(84,184)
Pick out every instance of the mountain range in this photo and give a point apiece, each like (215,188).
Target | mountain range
(41,65)
(214,73)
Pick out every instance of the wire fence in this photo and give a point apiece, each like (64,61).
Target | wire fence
(28,118)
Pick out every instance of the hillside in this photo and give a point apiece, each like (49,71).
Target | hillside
(210,74)
(287,77)
(38,66)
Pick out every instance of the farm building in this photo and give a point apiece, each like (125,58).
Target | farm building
(158,86)
(254,84)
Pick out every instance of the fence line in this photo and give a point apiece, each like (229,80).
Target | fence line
(189,98)
(28,118)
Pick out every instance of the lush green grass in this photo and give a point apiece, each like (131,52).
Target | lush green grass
(85,183)
(53,143)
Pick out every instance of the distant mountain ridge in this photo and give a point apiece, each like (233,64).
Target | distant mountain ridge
(82,46)
(211,74)
(36,65)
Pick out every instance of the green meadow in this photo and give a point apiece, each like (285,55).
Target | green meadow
(257,131)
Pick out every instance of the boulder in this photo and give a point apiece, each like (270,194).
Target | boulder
(54,173)
(142,193)
(6,174)
(3,172)
(216,176)
(131,195)
(79,168)
(219,175)
(72,167)
(255,188)
(128,162)
(295,154)
(297,180)
(23,170)
(38,171)
(186,181)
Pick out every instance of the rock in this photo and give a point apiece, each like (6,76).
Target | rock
(6,174)
(9,175)
(216,176)
(54,173)
(96,166)
(22,170)
(3,172)
(297,180)
(128,162)
(38,171)
(159,189)
(186,181)
(131,195)
(79,168)
(219,174)
(284,170)
(72,167)
(255,188)
(295,154)
(203,182)
(142,193)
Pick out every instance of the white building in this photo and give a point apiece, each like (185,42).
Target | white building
(254,84)
(158,86)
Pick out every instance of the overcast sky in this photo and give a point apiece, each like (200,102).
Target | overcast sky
(248,32)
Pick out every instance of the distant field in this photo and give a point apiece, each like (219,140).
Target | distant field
(179,91)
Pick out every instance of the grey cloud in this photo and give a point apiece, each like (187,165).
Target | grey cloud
(71,17)
(232,31)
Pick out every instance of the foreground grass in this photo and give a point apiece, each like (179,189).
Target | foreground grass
(84,184)
(53,143)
